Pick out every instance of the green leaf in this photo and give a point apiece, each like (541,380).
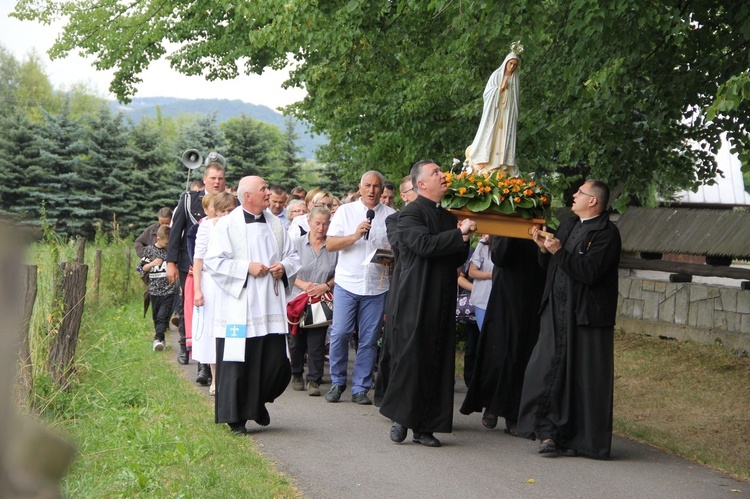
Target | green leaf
(479,203)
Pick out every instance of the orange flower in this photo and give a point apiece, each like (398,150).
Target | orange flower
(506,191)
(462,191)
(545,200)
(517,200)
(532,183)
(471,178)
(516,188)
(448,176)
(479,184)
(528,193)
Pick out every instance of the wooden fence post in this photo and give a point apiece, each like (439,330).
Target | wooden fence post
(97,273)
(25,383)
(128,268)
(81,252)
(72,291)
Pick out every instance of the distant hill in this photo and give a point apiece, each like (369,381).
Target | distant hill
(224,109)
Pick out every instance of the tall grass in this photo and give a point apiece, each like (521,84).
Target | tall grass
(118,284)
(139,427)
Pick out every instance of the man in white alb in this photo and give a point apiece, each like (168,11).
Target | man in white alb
(249,257)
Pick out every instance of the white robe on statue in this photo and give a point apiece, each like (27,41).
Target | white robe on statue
(495,141)
(254,309)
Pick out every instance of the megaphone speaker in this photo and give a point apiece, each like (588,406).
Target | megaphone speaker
(215,157)
(192,159)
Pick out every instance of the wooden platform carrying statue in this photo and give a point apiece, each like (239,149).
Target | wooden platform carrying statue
(494,146)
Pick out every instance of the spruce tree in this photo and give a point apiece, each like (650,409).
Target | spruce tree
(55,177)
(109,172)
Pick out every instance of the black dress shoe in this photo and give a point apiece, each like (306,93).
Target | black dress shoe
(547,446)
(427,439)
(398,433)
(263,419)
(238,428)
(204,375)
(183,357)
(564,451)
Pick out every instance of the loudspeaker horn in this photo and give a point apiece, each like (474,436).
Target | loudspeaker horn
(192,159)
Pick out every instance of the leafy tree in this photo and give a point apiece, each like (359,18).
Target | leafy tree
(616,89)
(252,145)
(9,69)
(34,90)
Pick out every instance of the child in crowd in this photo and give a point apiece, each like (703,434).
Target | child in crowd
(204,344)
(154,262)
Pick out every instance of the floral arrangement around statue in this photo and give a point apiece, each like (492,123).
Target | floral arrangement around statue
(481,192)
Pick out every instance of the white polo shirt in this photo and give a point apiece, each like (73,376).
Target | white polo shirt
(363,280)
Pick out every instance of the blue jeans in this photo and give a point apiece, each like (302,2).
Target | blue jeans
(366,314)
(479,313)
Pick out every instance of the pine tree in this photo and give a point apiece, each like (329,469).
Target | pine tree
(252,146)
(19,149)
(204,135)
(54,177)
(154,163)
(288,171)
(109,172)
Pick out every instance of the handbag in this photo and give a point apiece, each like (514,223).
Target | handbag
(318,312)
(464,310)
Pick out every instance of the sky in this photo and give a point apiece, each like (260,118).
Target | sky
(21,37)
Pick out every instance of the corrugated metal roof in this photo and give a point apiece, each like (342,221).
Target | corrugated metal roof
(684,230)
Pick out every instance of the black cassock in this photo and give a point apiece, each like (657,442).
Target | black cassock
(416,375)
(510,329)
(567,393)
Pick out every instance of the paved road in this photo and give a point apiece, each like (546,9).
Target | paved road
(343,450)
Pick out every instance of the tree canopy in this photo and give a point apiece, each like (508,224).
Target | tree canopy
(616,89)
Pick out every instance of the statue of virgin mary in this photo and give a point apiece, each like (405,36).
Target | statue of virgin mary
(494,146)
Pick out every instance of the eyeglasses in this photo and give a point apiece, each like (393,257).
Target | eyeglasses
(329,205)
(407,190)
(586,193)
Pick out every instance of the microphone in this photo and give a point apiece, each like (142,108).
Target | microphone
(370,216)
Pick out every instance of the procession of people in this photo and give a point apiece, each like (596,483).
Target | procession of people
(543,361)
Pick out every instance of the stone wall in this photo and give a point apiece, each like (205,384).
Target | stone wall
(698,312)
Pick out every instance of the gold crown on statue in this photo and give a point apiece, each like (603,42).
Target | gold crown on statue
(516,47)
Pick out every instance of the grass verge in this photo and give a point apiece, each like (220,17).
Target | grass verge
(688,398)
(141,431)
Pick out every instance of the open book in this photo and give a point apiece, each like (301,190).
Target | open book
(380,255)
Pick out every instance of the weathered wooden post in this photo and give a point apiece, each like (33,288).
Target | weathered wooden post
(128,268)
(24,384)
(32,459)
(97,273)
(81,251)
(71,292)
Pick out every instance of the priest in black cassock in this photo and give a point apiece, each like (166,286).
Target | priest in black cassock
(567,393)
(509,332)
(420,337)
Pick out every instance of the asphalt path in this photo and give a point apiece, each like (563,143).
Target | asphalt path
(343,450)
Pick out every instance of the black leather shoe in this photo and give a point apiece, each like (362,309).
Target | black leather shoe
(564,451)
(427,439)
(183,357)
(547,446)
(204,375)
(398,433)
(264,419)
(238,428)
